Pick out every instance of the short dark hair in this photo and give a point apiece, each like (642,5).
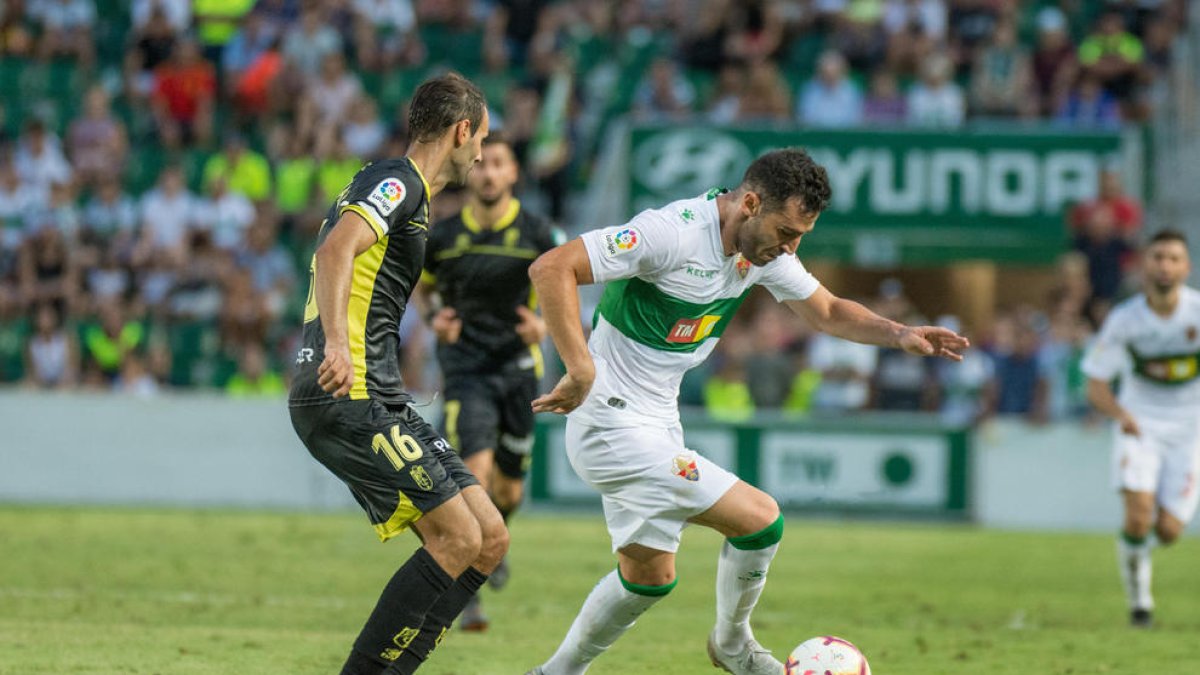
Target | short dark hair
(498,138)
(1168,234)
(442,102)
(783,174)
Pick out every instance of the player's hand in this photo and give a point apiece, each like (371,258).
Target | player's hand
(933,341)
(336,372)
(531,329)
(567,395)
(446,325)
(1129,426)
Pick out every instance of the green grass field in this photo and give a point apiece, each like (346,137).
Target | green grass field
(134,591)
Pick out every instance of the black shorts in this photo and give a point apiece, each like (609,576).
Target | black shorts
(395,464)
(492,412)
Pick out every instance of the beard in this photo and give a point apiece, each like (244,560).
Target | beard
(1163,288)
(489,200)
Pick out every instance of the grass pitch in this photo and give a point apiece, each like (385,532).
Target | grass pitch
(140,591)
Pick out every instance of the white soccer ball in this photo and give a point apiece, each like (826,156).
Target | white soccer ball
(826,656)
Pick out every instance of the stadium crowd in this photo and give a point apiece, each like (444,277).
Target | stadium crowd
(165,164)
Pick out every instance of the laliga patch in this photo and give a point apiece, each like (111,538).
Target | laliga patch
(387,196)
(623,241)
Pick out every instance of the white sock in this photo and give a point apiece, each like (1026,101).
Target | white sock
(1134,563)
(741,575)
(609,611)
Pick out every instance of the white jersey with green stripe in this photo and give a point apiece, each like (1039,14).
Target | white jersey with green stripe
(670,293)
(1156,357)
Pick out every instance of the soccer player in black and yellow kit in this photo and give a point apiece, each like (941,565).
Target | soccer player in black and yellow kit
(488,331)
(348,403)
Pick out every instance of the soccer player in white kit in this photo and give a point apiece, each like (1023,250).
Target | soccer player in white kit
(1152,341)
(675,276)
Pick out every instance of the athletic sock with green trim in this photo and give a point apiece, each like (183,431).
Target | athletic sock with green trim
(399,614)
(741,575)
(611,609)
(1133,560)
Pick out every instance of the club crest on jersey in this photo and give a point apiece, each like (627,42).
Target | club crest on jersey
(623,241)
(685,467)
(387,195)
(421,478)
(743,266)
(688,331)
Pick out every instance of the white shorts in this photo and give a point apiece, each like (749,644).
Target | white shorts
(1163,460)
(649,482)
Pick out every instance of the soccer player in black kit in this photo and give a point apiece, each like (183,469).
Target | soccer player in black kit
(488,331)
(348,403)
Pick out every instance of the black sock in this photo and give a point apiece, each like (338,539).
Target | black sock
(438,621)
(395,623)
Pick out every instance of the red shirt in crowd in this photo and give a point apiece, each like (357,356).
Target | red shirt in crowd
(1127,212)
(184,88)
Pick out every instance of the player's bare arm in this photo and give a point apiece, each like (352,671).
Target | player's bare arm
(1101,396)
(557,275)
(851,321)
(335,268)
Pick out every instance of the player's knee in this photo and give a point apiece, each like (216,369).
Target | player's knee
(460,547)
(764,511)
(1138,525)
(494,546)
(1167,531)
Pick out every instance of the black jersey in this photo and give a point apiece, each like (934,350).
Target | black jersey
(393,197)
(484,276)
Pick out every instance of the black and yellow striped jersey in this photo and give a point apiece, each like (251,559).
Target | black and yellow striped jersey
(393,198)
(484,275)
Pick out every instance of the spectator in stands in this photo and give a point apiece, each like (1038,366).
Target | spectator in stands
(307,43)
(845,368)
(664,94)
(110,217)
(328,97)
(336,165)
(860,36)
(279,15)
(66,28)
(243,318)
(916,30)
(884,105)
(52,353)
(1020,385)
(216,22)
(18,199)
(1088,105)
(1054,63)
(184,97)
(970,24)
(386,34)
(965,388)
(259,88)
(1126,210)
(254,378)
(39,158)
(1002,79)
(48,272)
(831,99)
(178,13)
(510,29)
(109,279)
(251,39)
(225,215)
(703,41)
(244,171)
(364,133)
(1155,73)
(168,215)
(135,378)
(96,141)
(1112,55)
(903,382)
(760,96)
(109,341)
(153,45)
(295,176)
(726,394)
(1060,358)
(16,29)
(269,264)
(936,101)
(755,31)
(1107,253)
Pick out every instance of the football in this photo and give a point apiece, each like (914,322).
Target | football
(826,656)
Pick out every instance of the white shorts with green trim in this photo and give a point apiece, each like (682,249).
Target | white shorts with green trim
(649,482)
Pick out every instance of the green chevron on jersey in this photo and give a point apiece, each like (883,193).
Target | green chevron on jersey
(645,314)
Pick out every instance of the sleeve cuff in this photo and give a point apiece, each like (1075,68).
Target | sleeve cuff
(376,223)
